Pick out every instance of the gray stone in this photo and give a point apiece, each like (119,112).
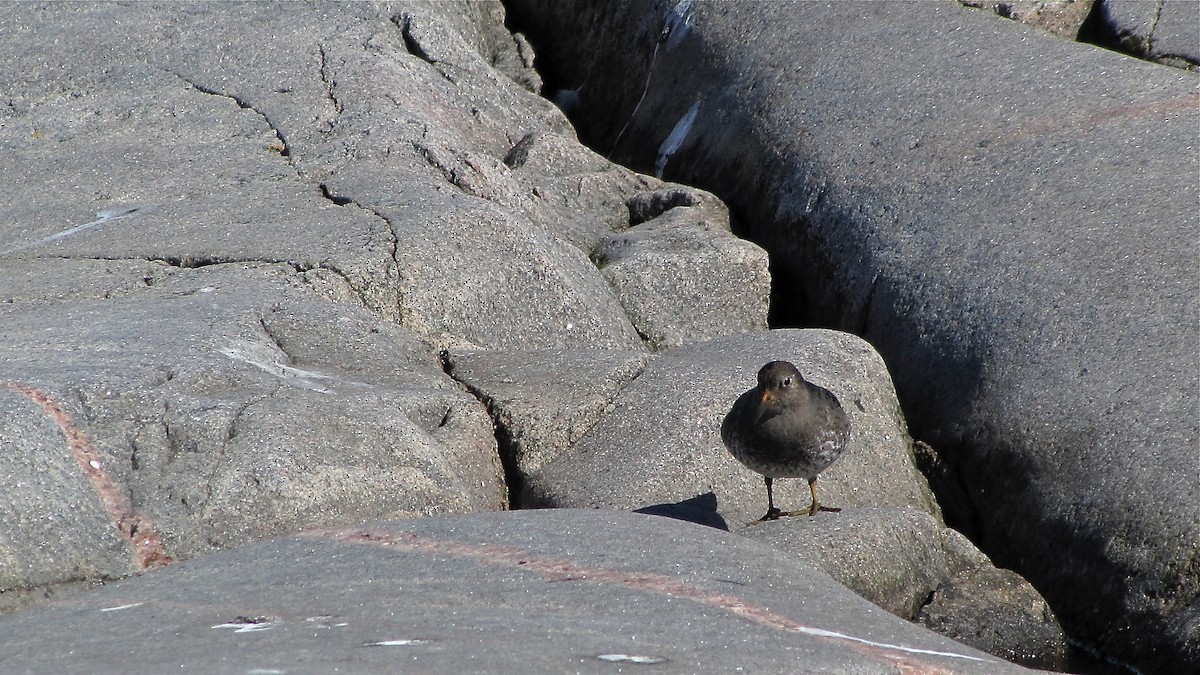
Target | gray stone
(912,565)
(544,401)
(236,243)
(661,443)
(1009,218)
(579,194)
(1064,18)
(997,611)
(524,591)
(217,406)
(1167,31)
(683,278)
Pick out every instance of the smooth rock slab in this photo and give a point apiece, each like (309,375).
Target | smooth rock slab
(526,591)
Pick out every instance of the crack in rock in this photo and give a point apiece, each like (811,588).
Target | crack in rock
(284,151)
(330,84)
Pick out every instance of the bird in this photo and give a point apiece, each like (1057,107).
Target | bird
(786,427)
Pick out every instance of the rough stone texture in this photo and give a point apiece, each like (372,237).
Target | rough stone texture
(1166,31)
(1061,17)
(543,401)
(1010,218)
(238,240)
(997,611)
(910,564)
(661,443)
(210,399)
(524,591)
(682,277)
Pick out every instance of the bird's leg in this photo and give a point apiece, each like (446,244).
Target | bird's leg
(816,505)
(772,512)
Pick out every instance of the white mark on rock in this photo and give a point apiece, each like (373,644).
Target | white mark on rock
(254,626)
(94,464)
(272,361)
(676,138)
(120,607)
(397,643)
(101,217)
(679,23)
(631,658)
(911,650)
(265,671)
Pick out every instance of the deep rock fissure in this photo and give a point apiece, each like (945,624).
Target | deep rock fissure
(514,481)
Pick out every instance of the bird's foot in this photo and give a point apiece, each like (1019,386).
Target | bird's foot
(815,508)
(772,514)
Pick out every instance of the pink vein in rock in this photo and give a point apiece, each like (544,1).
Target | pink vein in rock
(905,659)
(137,529)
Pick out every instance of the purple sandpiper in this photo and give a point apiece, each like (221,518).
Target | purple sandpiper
(786,427)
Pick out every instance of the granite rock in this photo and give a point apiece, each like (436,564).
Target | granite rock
(912,565)
(660,445)
(528,591)
(1006,216)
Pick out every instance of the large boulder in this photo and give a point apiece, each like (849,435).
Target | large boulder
(660,444)
(1010,218)
(239,241)
(524,591)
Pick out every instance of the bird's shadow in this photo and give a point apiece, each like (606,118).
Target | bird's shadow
(701,509)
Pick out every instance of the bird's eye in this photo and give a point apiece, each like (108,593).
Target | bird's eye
(787,382)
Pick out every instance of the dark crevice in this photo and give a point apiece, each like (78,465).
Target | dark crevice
(328,80)
(404,23)
(190,262)
(336,199)
(514,480)
(198,261)
(1099,29)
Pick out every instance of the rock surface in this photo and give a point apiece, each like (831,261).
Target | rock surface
(1008,217)
(661,444)
(543,401)
(525,591)
(238,240)
(683,278)
(909,563)
(1167,31)
(270,267)
(1064,18)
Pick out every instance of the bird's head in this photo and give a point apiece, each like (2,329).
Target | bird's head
(778,380)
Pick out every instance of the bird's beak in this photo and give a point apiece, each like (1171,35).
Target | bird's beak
(767,397)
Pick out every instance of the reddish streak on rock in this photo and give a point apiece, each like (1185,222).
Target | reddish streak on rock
(565,570)
(137,529)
